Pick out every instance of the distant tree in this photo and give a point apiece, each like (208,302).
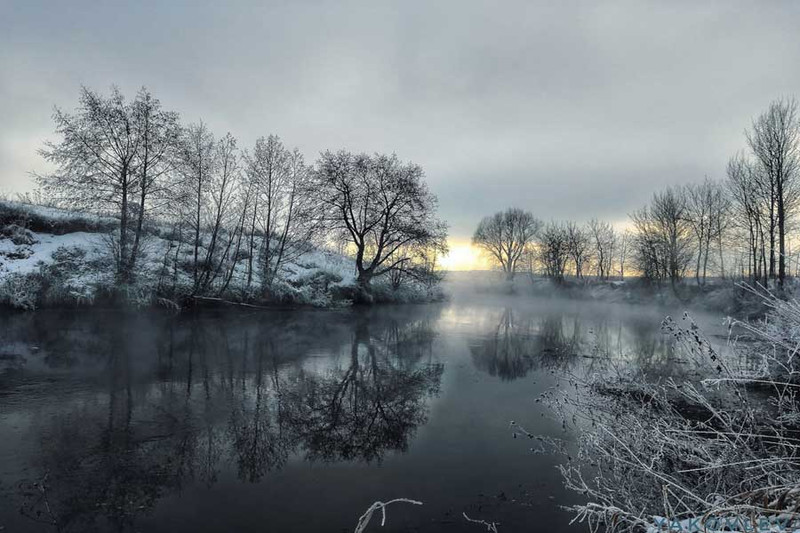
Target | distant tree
(579,247)
(506,236)
(603,241)
(774,140)
(554,250)
(707,210)
(750,206)
(623,250)
(663,237)
(381,205)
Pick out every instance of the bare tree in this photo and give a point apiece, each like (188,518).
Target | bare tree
(506,236)
(198,165)
(159,134)
(383,206)
(268,171)
(663,237)
(579,247)
(774,141)
(623,250)
(750,212)
(720,221)
(110,157)
(603,241)
(222,194)
(707,211)
(554,250)
(281,207)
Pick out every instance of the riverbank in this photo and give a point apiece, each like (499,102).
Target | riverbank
(53,258)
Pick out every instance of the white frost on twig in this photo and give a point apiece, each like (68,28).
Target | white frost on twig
(367,516)
(490,526)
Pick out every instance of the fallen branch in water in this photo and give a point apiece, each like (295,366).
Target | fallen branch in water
(490,526)
(367,516)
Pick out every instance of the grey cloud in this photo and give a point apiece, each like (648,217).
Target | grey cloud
(572,109)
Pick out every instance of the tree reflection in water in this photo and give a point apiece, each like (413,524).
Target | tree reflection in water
(368,405)
(524,342)
(184,401)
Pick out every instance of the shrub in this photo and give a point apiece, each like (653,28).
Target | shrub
(20,291)
(18,235)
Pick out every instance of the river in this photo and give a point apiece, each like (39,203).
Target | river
(297,420)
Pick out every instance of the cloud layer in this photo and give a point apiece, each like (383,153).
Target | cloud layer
(569,109)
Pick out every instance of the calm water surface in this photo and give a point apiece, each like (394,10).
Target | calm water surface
(295,421)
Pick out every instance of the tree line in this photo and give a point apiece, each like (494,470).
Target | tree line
(235,214)
(737,227)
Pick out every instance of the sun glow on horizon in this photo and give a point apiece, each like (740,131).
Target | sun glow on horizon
(463,256)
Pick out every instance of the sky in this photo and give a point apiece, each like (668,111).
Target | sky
(571,110)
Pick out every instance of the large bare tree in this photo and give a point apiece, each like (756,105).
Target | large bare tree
(507,236)
(382,205)
(110,158)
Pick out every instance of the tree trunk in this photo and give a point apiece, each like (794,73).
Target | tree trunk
(123,231)
(781,236)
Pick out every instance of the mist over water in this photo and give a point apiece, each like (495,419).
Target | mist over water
(298,420)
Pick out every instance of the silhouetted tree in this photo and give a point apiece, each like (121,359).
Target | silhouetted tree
(382,205)
(507,236)
(663,238)
(603,240)
(578,246)
(554,250)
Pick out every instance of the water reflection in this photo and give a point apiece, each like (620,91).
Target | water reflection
(138,421)
(173,402)
(522,342)
(526,340)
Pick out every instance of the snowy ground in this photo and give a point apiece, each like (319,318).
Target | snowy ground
(26,258)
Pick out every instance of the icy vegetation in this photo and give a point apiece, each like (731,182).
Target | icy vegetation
(56,257)
(706,441)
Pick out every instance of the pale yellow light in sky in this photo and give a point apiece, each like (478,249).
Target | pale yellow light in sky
(463,256)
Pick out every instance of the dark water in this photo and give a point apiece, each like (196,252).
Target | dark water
(294,421)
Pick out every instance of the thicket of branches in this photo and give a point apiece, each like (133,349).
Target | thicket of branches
(235,216)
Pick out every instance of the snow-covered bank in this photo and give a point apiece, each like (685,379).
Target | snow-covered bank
(55,257)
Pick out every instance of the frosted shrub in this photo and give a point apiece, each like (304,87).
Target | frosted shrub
(69,279)
(20,291)
(720,441)
(18,235)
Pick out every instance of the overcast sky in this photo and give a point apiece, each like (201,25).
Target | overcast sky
(568,109)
